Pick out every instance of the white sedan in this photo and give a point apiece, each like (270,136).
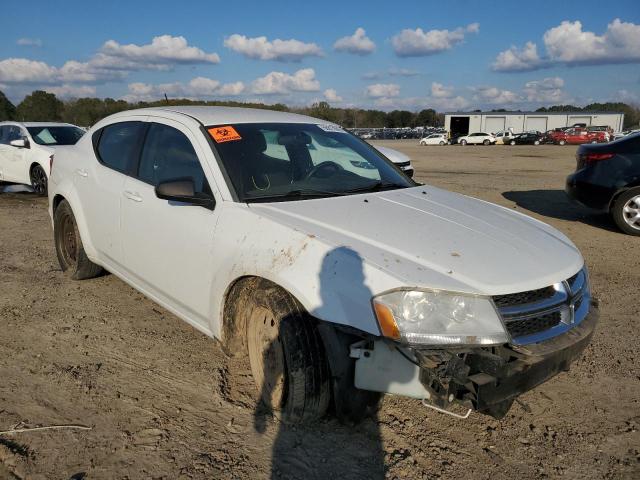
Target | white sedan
(261,229)
(477,139)
(434,139)
(26,150)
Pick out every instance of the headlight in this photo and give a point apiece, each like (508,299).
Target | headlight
(433,317)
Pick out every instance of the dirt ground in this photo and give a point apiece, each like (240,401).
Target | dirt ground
(163,400)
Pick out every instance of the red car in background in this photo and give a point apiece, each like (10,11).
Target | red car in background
(577,136)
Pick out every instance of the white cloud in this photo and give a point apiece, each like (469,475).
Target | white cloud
(495,96)
(72,91)
(438,90)
(568,44)
(29,42)
(358,43)
(547,90)
(280,50)
(196,88)
(418,43)
(163,51)
(372,75)
(402,72)
(380,90)
(332,96)
(303,80)
(518,60)
(21,70)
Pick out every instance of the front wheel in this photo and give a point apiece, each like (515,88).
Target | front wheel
(71,255)
(39,180)
(441,143)
(287,356)
(561,142)
(486,142)
(463,142)
(626,211)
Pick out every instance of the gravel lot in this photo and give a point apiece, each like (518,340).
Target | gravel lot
(164,401)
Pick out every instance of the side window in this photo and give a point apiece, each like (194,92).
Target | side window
(118,144)
(3,131)
(13,133)
(167,155)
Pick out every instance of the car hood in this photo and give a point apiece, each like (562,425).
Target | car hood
(394,155)
(428,237)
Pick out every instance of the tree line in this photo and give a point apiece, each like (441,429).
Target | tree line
(44,106)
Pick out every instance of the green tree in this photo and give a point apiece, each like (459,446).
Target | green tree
(7,109)
(427,117)
(40,106)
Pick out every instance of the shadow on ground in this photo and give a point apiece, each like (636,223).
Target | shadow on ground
(556,204)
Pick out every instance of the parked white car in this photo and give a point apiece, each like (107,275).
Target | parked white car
(503,137)
(477,139)
(337,286)
(26,150)
(399,159)
(434,139)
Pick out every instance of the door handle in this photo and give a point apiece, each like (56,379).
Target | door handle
(135,196)
(82,172)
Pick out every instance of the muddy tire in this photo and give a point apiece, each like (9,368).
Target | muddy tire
(626,211)
(38,179)
(71,255)
(286,354)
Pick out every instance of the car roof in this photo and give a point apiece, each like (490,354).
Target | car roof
(233,115)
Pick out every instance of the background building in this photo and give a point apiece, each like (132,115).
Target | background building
(462,123)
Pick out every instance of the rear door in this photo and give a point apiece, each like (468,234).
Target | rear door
(100,184)
(168,246)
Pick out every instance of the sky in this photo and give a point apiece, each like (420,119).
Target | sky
(446,55)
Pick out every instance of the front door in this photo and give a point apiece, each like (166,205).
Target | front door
(168,246)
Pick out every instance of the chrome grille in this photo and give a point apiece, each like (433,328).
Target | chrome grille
(540,314)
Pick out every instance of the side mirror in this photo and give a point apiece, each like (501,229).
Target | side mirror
(20,143)
(183,190)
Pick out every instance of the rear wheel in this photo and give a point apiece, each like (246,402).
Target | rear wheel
(39,180)
(463,142)
(71,255)
(287,356)
(561,142)
(441,142)
(626,211)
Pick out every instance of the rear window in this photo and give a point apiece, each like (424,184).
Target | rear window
(119,144)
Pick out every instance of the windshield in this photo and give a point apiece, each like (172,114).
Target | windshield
(54,135)
(288,161)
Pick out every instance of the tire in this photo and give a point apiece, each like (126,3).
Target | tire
(286,354)
(512,142)
(463,142)
(537,142)
(561,142)
(487,142)
(594,141)
(38,179)
(71,255)
(441,143)
(623,209)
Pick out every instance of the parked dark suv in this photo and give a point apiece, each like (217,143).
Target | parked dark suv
(607,178)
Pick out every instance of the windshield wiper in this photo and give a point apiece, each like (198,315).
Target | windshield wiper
(293,194)
(376,187)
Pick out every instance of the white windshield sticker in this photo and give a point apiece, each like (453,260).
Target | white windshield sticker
(327,127)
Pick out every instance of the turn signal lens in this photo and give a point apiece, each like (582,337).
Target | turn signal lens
(386,321)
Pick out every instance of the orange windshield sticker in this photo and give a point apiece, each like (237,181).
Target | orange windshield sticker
(224,134)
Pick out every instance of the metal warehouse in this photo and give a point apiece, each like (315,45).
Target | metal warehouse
(463,123)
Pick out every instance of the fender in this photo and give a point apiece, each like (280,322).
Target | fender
(66,189)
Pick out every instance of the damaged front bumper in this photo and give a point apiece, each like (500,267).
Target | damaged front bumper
(485,379)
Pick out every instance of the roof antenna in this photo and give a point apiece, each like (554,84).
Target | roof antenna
(166,99)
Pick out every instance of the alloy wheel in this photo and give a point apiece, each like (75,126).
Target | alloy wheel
(39,180)
(631,212)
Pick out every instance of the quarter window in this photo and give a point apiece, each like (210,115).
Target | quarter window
(169,155)
(118,145)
